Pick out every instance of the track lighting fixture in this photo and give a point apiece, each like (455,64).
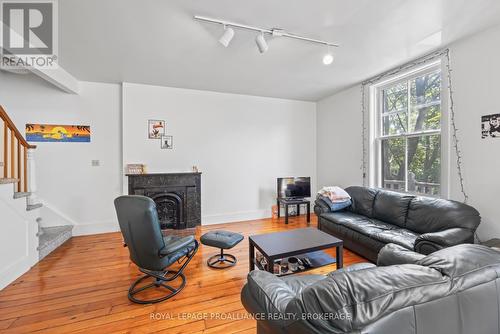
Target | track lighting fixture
(328,57)
(261,42)
(227,36)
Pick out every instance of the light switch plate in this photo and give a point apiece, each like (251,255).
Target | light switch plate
(96,163)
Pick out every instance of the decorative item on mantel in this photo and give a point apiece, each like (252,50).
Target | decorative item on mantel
(136,169)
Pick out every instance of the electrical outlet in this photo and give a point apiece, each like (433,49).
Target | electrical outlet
(96,163)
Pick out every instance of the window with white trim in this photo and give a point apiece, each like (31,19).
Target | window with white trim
(408,132)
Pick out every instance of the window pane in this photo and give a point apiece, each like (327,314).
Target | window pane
(394,124)
(428,118)
(426,89)
(395,98)
(393,163)
(424,165)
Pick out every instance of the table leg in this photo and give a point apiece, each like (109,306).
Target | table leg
(251,256)
(340,256)
(279,207)
(308,212)
(270,265)
(286,213)
(298,210)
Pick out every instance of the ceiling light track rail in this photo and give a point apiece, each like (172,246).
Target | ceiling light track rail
(273,32)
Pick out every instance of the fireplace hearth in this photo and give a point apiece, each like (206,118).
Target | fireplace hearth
(177,197)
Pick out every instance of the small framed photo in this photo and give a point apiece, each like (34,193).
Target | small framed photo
(490,126)
(167,142)
(156,128)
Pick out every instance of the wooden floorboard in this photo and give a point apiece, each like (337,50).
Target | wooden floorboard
(82,288)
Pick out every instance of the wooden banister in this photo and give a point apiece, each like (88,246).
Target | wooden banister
(12,155)
(19,166)
(25,167)
(12,127)
(17,161)
(5,149)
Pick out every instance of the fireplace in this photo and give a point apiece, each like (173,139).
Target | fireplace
(177,197)
(170,207)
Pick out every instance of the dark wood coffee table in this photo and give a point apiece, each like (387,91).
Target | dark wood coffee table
(279,245)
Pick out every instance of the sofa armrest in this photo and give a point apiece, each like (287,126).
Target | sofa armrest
(320,207)
(271,293)
(430,242)
(392,254)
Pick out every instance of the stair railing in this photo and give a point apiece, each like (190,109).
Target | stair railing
(15,153)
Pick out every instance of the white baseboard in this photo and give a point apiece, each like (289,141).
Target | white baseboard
(112,226)
(15,270)
(96,228)
(235,217)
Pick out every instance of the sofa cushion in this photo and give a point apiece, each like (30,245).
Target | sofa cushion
(353,240)
(402,237)
(392,207)
(427,214)
(366,295)
(358,223)
(461,259)
(362,200)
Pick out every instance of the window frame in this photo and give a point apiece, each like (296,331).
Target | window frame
(375,126)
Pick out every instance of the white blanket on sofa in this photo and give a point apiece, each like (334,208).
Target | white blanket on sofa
(335,194)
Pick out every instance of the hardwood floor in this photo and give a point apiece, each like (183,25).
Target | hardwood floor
(82,288)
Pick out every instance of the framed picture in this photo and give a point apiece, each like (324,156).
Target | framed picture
(167,142)
(156,128)
(58,133)
(490,126)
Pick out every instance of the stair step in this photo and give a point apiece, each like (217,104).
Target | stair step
(7,180)
(21,194)
(30,207)
(52,238)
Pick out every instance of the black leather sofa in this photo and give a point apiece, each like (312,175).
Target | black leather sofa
(453,290)
(378,217)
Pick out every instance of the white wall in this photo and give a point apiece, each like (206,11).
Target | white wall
(18,242)
(66,181)
(476,73)
(240,143)
(339,139)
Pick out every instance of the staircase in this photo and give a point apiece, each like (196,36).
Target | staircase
(50,238)
(28,241)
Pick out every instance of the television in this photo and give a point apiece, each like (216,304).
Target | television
(294,187)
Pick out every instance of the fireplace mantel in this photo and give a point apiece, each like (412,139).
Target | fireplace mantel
(159,186)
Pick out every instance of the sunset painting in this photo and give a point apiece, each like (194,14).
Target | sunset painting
(57,133)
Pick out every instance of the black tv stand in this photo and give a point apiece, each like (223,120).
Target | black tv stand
(294,201)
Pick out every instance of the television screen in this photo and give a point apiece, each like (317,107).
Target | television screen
(294,187)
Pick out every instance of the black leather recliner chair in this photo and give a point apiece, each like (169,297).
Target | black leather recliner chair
(149,249)
(454,290)
(378,217)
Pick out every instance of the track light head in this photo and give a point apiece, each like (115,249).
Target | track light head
(261,43)
(227,36)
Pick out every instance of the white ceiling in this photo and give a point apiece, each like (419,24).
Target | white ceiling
(157,42)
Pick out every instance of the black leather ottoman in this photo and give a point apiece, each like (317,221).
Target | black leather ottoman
(222,240)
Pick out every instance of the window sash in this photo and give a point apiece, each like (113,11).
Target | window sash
(380,114)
